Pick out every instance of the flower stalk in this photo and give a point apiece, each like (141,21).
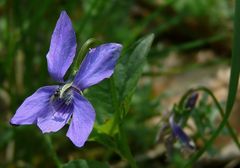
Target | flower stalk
(81,54)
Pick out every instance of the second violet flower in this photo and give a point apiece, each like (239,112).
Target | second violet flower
(51,107)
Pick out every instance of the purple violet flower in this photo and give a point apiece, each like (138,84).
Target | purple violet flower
(51,107)
(179,133)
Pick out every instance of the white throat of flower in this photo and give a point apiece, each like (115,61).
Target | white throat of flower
(64,88)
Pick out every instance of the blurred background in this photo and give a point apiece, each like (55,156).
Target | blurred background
(192,47)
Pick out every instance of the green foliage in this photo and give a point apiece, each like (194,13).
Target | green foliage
(130,67)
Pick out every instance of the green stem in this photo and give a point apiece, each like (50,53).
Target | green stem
(123,147)
(83,51)
(51,151)
(116,117)
(207,145)
(230,129)
(220,109)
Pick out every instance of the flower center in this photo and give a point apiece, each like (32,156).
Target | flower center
(62,98)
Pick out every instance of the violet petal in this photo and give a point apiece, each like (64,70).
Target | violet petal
(178,132)
(55,118)
(97,65)
(62,48)
(82,121)
(33,106)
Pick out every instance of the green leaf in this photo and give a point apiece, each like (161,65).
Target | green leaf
(129,68)
(104,139)
(101,99)
(235,67)
(105,97)
(85,164)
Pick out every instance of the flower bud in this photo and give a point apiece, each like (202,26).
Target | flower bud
(191,101)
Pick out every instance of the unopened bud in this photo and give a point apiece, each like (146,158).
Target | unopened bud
(191,102)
